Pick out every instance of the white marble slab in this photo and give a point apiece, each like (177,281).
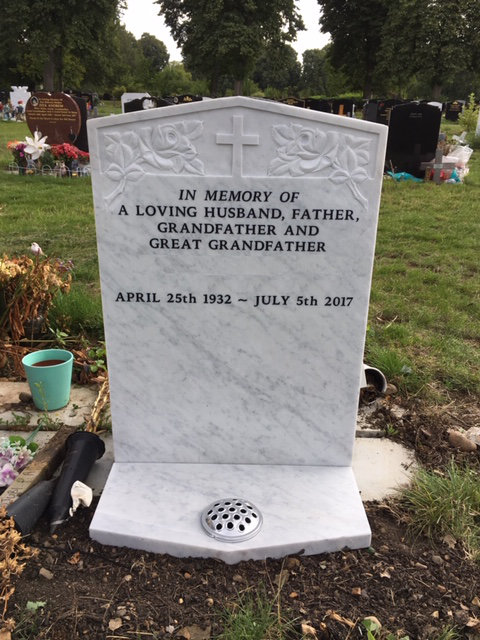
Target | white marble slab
(236,241)
(157,507)
(235,383)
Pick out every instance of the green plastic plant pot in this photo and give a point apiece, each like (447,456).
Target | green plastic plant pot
(49,376)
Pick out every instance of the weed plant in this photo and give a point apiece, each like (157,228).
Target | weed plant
(446,503)
(255,617)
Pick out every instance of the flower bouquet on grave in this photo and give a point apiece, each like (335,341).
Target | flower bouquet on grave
(17,150)
(15,453)
(69,157)
(27,155)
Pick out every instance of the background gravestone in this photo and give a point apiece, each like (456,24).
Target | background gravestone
(453,110)
(81,141)
(343,107)
(236,240)
(318,105)
(19,95)
(55,115)
(412,136)
(130,97)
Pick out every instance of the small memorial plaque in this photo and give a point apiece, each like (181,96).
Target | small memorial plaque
(56,115)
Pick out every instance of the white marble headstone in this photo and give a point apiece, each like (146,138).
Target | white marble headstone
(236,241)
(19,95)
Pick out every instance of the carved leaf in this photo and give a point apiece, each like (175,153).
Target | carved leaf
(114,172)
(282,133)
(191,129)
(359,175)
(278,167)
(339,177)
(195,166)
(134,174)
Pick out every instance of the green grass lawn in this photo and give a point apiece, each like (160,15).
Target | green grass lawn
(424,323)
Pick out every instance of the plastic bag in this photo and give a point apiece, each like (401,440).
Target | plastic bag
(461,153)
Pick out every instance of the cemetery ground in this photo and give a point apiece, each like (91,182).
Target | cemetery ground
(419,579)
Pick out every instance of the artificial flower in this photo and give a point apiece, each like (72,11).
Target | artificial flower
(36,145)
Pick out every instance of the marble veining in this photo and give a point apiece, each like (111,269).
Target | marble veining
(300,508)
(236,241)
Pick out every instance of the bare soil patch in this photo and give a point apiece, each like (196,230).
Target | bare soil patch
(414,587)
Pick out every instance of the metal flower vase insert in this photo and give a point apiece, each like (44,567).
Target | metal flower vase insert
(49,376)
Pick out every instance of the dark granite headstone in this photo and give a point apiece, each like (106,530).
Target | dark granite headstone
(183,99)
(81,141)
(148,102)
(318,105)
(385,109)
(294,102)
(412,136)
(370,110)
(56,115)
(453,110)
(343,107)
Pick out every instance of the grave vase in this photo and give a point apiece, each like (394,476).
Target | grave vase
(83,449)
(29,507)
(49,376)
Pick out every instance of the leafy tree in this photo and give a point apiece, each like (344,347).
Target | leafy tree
(225,37)
(318,75)
(355,27)
(277,67)
(47,32)
(154,51)
(175,79)
(435,39)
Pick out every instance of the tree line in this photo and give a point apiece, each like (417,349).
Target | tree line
(407,48)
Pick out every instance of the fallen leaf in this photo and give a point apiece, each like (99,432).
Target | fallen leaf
(449,540)
(476,601)
(333,615)
(473,623)
(114,624)
(435,614)
(293,595)
(460,441)
(170,628)
(75,559)
(356,591)
(385,574)
(308,631)
(292,563)
(194,632)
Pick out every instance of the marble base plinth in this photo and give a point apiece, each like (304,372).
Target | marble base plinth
(157,507)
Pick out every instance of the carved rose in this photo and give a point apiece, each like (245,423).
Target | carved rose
(303,151)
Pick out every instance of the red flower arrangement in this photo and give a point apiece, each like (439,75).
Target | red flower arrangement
(66,153)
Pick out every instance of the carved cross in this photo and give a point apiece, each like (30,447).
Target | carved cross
(237,139)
